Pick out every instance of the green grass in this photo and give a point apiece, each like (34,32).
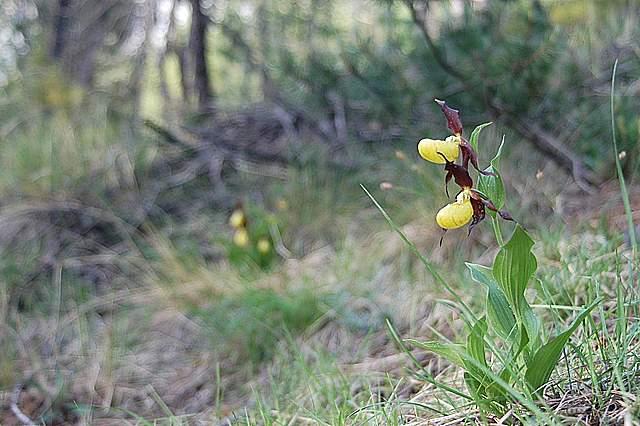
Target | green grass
(162,319)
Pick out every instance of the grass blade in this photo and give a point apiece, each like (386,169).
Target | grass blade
(623,185)
(436,276)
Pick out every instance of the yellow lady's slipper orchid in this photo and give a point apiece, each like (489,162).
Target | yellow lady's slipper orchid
(237,219)
(241,237)
(263,245)
(457,214)
(282,204)
(430,149)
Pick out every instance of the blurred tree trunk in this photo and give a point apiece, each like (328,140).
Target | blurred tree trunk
(60,25)
(145,17)
(79,29)
(197,46)
(182,53)
(177,47)
(264,38)
(168,109)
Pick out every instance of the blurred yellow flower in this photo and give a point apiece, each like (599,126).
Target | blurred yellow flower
(456,214)
(241,237)
(263,245)
(430,149)
(237,219)
(282,204)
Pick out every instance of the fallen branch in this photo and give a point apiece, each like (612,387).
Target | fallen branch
(552,148)
(213,138)
(15,409)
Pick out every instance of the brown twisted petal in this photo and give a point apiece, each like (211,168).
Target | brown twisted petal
(458,173)
(468,154)
(478,213)
(452,116)
(455,125)
(478,198)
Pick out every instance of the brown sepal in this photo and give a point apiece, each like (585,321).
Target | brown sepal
(468,154)
(447,178)
(453,117)
(478,212)
(475,196)
(460,175)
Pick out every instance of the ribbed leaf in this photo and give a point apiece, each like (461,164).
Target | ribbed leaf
(541,366)
(493,186)
(499,312)
(531,325)
(473,139)
(476,353)
(475,341)
(513,267)
(516,350)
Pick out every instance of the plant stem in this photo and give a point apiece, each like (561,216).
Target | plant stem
(497,231)
(623,186)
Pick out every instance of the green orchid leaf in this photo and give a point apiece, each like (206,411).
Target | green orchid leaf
(531,324)
(514,265)
(546,358)
(499,313)
(473,139)
(495,162)
(477,390)
(474,386)
(508,369)
(475,341)
(476,359)
(493,186)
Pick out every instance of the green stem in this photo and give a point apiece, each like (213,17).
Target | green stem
(623,186)
(497,231)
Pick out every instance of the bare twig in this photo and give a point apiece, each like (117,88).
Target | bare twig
(15,398)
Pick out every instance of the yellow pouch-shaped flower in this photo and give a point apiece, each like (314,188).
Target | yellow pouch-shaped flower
(263,245)
(241,237)
(430,149)
(456,214)
(237,219)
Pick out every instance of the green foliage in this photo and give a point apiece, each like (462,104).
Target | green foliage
(493,186)
(510,331)
(511,318)
(499,312)
(541,365)
(258,250)
(473,139)
(255,320)
(514,266)
(72,145)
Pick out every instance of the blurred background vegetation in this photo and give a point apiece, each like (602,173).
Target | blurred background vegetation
(131,130)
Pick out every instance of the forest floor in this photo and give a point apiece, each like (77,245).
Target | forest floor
(160,329)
